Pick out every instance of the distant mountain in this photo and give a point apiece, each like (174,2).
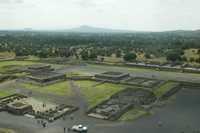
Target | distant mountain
(28,29)
(90,29)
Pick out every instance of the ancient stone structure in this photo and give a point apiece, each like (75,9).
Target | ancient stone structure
(19,108)
(121,102)
(45,78)
(143,82)
(21,105)
(39,68)
(112,76)
(42,75)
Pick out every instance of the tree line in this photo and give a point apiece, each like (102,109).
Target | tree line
(89,46)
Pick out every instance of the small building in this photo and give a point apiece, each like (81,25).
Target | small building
(112,76)
(19,108)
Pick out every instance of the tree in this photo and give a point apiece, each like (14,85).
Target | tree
(184,58)
(93,56)
(198,51)
(109,52)
(147,55)
(130,56)
(77,56)
(197,60)
(118,53)
(173,56)
(84,55)
(102,59)
(192,59)
(42,54)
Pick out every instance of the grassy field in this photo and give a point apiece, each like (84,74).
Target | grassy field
(4,130)
(20,63)
(61,88)
(165,88)
(133,114)
(4,93)
(96,94)
(10,65)
(79,73)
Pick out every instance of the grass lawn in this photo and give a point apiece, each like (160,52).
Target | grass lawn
(97,94)
(164,88)
(20,63)
(9,65)
(61,88)
(4,93)
(79,73)
(4,130)
(133,114)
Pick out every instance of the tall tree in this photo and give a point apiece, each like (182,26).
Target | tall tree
(130,56)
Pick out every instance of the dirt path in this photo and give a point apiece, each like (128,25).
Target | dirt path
(77,98)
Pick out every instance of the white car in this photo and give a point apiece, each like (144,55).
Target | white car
(79,128)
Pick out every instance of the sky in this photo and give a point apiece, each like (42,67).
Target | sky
(140,15)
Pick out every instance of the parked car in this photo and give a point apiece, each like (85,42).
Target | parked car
(80,128)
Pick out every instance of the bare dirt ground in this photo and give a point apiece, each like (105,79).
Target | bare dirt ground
(77,98)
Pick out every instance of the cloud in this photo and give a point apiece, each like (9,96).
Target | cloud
(11,1)
(19,1)
(95,3)
(4,1)
(122,14)
(86,3)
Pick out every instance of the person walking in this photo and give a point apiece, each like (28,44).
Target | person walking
(68,129)
(64,129)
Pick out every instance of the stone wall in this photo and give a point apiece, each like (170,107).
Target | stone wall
(121,102)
